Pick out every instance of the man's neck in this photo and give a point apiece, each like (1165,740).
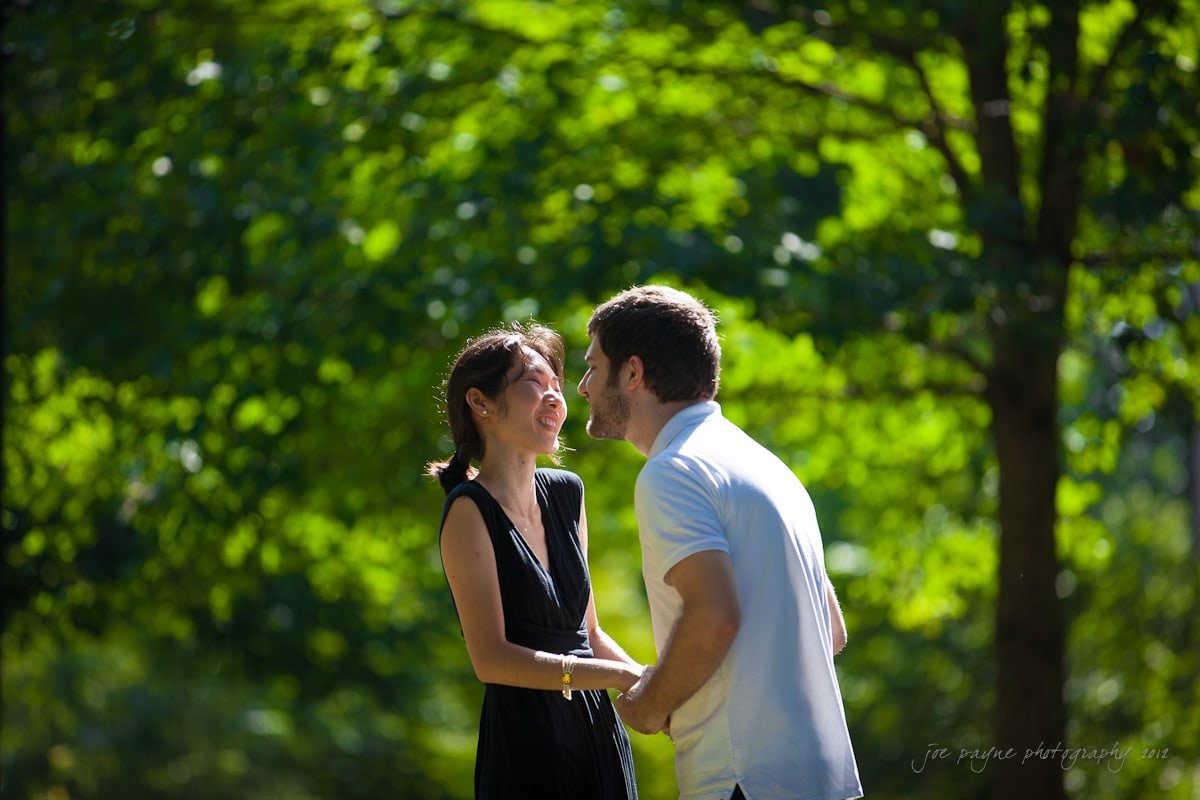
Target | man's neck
(649,417)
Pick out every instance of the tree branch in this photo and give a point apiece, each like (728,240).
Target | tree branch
(1134,259)
(906,53)
(956,350)
(437,13)
(823,89)
(943,390)
(986,50)
(935,125)
(1060,173)
(936,129)
(1125,38)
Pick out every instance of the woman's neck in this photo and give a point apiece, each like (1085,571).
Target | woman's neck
(508,477)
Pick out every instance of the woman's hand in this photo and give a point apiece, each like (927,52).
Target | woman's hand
(632,675)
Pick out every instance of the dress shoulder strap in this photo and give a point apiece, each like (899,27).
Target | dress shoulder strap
(483,501)
(565,488)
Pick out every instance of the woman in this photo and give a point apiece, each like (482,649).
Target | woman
(514,549)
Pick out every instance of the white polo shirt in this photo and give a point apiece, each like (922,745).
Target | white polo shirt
(770,718)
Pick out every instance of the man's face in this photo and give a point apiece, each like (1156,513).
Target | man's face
(609,410)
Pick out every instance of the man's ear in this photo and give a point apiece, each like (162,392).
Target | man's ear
(634,372)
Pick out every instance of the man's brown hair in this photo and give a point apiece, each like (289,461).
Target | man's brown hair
(673,333)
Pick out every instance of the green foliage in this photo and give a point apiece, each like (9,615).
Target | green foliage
(244,243)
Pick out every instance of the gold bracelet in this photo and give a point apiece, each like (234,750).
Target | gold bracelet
(568,664)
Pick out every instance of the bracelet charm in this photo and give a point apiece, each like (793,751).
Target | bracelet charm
(568,665)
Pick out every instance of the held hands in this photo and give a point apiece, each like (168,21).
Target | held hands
(635,710)
(633,673)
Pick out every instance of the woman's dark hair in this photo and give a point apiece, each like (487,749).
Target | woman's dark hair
(484,364)
(673,333)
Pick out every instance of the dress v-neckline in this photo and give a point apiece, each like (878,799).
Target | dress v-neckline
(537,490)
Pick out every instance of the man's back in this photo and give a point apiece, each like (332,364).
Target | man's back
(771,717)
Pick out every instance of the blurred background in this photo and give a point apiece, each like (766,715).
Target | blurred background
(953,248)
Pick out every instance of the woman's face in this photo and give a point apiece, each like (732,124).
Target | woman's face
(533,407)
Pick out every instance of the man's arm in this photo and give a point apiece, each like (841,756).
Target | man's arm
(837,624)
(702,636)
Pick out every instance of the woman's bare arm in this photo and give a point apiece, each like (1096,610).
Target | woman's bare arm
(470,566)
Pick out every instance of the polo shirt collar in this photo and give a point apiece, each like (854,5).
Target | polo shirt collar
(685,418)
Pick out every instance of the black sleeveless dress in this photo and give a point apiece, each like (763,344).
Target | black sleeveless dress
(534,743)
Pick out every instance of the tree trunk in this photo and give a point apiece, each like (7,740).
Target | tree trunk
(1030,711)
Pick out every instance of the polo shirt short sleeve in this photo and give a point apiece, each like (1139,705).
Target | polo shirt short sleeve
(677,507)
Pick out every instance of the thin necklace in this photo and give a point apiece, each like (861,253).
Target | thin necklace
(523,531)
(526,518)
(512,516)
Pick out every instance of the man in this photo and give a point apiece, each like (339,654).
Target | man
(745,620)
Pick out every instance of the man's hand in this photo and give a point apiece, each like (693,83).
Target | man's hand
(636,712)
(696,646)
